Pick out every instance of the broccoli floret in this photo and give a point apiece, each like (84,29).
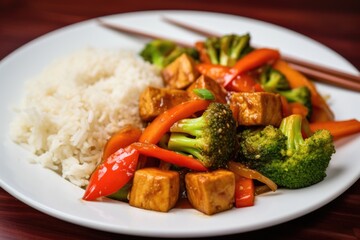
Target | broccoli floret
(211,138)
(261,144)
(226,50)
(273,81)
(162,52)
(301,95)
(305,160)
(212,46)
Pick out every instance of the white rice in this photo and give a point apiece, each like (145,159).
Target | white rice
(76,104)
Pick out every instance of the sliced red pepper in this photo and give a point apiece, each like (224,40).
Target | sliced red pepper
(252,60)
(152,150)
(112,174)
(244,192)
(244,83)
(123,138)
(214,71)
(162,123)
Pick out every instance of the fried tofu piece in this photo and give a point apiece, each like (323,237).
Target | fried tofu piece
(180,73)
(155,189)
(256,108)
(154,101)
(211,192)
(213,86)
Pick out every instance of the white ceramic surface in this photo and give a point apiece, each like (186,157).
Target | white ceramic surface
(44,190)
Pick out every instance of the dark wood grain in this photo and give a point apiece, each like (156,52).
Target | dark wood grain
(335,24)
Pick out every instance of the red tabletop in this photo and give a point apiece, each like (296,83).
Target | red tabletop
(335,24)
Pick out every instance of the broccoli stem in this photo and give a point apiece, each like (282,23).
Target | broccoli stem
(192,126)
(291,128)
(184,143)
(212,47)
(225,48)
(238,46)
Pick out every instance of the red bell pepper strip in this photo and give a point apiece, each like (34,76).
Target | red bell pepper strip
(244,192)
(214,71)
(152,150)
(123,138)
(244,83)
(252,60)
(162,123)
(112,174)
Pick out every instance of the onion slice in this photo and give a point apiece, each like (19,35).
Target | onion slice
(244,171)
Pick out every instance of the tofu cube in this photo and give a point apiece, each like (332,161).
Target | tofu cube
(155,189)
(213,86)
(180,73)
(154,101)
(211,192)
(256,108)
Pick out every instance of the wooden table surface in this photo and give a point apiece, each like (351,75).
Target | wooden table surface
(335,24)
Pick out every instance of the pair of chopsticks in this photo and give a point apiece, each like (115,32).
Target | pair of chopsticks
(313,71)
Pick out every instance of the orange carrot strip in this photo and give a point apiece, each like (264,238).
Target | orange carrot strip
(204,56)
(298,108)
(296,79)
(338,129)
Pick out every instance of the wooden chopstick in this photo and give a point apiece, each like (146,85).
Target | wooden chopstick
(314,71)
(123,29)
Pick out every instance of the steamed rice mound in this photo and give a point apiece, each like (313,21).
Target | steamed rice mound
(76,104)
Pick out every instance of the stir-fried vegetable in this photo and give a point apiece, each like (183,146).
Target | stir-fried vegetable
(338,129)
(162,52)
(204,143)
(163,122)
(210,138)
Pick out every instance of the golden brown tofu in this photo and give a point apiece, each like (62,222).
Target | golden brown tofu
(154,101)
(155,189)
(256,108)
(205,82)
(180,73)
(211,192)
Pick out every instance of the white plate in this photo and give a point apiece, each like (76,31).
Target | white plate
(49,193)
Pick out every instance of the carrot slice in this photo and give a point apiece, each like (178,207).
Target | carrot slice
(204,56)
(338,129)
(296,79)
(298,108)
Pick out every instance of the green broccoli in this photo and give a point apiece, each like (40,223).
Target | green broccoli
(303,161)
(274,81)
(211,138)
(212,47)
(301,95)
(226,50)
(259,144)
(162,52)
